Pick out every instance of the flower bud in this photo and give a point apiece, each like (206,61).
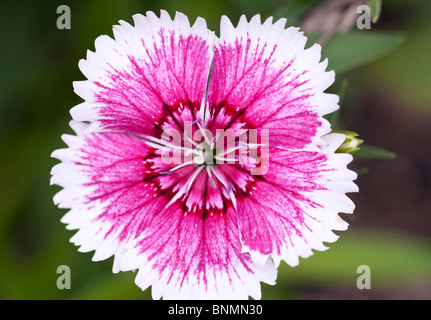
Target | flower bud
(350,144)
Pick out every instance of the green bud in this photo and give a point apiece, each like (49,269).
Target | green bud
(351,144)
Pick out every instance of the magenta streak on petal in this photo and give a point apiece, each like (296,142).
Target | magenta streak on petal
(134,98)
(128,178)
(197,248)
(239,179)
(273,96)
(276,207)
(117,168)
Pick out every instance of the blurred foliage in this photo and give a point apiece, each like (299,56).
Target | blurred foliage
(371,152)
(38,65)
(392,258)
(357,48)
(408,69)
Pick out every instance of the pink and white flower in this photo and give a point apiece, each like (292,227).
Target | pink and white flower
(150,178)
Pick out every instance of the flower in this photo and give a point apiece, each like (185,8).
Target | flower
(202,162)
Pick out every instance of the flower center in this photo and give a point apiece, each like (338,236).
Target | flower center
(216,157)
(204,150)
(204,154)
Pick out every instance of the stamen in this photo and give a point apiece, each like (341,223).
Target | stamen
(224,159)
(225,184)
(214,140)
(183,188)
(171,171)
(229,188)
(186,135)
(203,133)
(229,151)
(166,172)
(192,142)
(214,185)
(197,120)
(255,145)
(239,160)
(192,178)
(153,142)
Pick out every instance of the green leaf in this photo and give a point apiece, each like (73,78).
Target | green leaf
(342,90)
(376,9)
(371,152)
(357,48)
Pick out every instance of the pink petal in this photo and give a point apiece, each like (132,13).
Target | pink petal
(186,257)
(263,72)
(293,208)
(148,70)
(108,185)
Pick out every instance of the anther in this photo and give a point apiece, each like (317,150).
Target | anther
(239,160)
(197,120)
(166,172)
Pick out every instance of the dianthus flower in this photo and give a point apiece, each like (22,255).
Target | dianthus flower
(203,161)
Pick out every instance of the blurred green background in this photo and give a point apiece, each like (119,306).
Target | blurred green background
(387,101)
